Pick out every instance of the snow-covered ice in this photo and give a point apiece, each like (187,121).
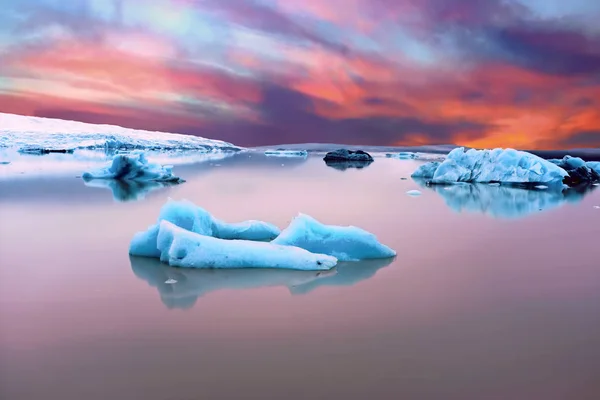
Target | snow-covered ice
(40,134)
(286,153)
(182,248)
(346,243)
(133,167)
(414,193)
(188,216)
(498,165)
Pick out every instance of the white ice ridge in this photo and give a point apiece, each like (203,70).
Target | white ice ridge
(56,134)
(182,248)
(134,167)
(286,153)
(346,243)
(188,216)
(498,165)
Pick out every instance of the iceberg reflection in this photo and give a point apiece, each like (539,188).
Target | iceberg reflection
(344,165)
(181,287)
(505,201)
(124,191)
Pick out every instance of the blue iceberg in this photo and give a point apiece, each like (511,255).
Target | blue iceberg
(188,216)
(346,243)
(499,165)
(134,167)
(181,248)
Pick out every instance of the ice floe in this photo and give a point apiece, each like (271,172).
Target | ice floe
(346,243)
(286,153)
(498,165)
(182,248)
(414,193)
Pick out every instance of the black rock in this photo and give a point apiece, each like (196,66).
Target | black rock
(348,155)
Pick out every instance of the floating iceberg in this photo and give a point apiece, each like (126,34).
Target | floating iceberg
(188,216)
(498,165)
(346,243)
(579,171)
(506,202)
(134,167)
(42,135)
(192,283)
(182,248)
(342,155)
(286,153)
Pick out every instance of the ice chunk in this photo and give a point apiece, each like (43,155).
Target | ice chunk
(579,172)
(403,155)
(346,243)
(286,153)
(426,171)
(413,193)
(42,135)
(541,187)
(498,165)
(170,281)
(182,248)
(187,215)
(134,167)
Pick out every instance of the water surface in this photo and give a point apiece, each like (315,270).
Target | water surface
(494,294)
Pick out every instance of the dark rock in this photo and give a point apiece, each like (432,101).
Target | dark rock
(348,155)
(579,172)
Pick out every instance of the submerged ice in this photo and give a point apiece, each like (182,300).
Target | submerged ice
(498,165)
(190,217)
(346,243)
(133,167)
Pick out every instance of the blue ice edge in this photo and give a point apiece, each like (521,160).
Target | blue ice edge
(186,235)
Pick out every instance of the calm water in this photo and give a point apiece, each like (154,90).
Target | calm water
(489,296)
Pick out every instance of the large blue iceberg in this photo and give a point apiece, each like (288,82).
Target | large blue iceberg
(182,248)
(346,243)
(188,216)
(485,166)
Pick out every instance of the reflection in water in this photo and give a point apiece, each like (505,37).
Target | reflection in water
(505,201)
(344,165)
(128,190)
(193,283)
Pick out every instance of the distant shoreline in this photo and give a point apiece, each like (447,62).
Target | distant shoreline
(592,154)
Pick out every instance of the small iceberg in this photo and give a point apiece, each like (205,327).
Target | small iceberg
(188,216)
(414,193)
(134,167)
(579,171)
(342,155)
(182,248)
(488,166)
(286,153)
(346,243)
(403,155)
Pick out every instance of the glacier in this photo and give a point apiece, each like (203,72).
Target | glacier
(39,135)
(182,248)
(498,165)
(134,167)
(346,243)
(189,216)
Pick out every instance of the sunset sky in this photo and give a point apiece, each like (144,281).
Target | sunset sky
(482,73)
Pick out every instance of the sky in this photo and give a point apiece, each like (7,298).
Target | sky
(480,73)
